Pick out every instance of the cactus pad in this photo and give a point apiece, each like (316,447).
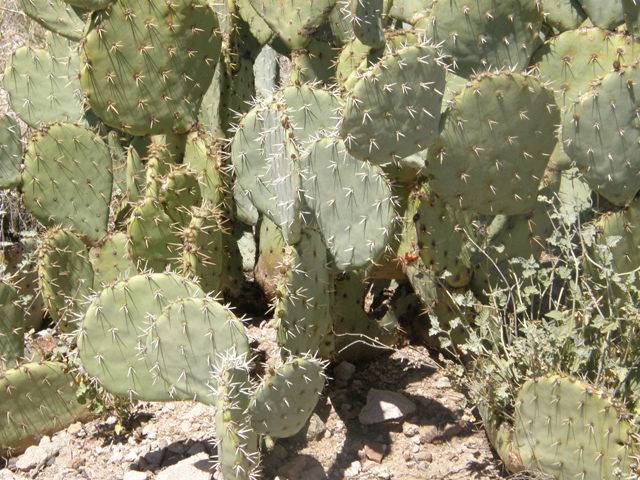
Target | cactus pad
(10,152)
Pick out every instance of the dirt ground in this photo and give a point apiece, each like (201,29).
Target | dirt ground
(440,440)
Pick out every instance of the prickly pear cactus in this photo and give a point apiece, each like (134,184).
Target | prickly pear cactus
(10,152)
(286,397)
(570,429)
(36,399)
(11,326)
(110,342)
(496,167)
(146,64)
(67,179)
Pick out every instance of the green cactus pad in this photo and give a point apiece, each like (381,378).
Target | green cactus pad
(188,340)
(271,252)
(286,397)
(111,259)
(36,399)
(481,34)
(11,326)
(56,16)
(610,14)
(117,143)
(204,158)
(366,18)
(410,11)
(90,4)
(294,23)
(359,334)
(570,62)
(146,64)
(238,453)
(10,152)
(441,239)
(304,297)
(393,109)
(312,112)
(179,192)
(154,243)
(564,15)
(66,277)
(67,179)
(494,167)
(42,84)
(350,202)
(598,135)
(265,155)
(111,338)
(572,430)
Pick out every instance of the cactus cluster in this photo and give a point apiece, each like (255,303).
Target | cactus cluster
(423,149)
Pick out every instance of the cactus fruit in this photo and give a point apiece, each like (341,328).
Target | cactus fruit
(497,167)
(146,65)
(393,108)
(111,336)
(36,399)
(570,429)
(286,397)
(67,179)
(10,152)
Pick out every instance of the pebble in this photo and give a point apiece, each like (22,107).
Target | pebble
(116,457)
(383,405)
(197,467)
(316,428)
(132,456)
(76,429)
(344,371)
(410,430)
(131,475)
(354,469)
(149,431)
(33,457)
(428,433)
(154,458)
(375,451)
(451,430)
(279,451)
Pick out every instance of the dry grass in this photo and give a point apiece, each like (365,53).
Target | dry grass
(16,30)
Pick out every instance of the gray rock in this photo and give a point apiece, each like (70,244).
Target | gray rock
(136,476)
(279,451)
(428,433)
(293,470)
(344,371)
(154,458)
(316,428)
(195,449)
(197,467)
(383,405)
(33,457)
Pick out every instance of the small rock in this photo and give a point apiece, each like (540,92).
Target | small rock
(375,451)
(354,469)
(409,429)
(76,463)
(112,420)
(451,430)
(33,457)
(279,451)
(316,428)
(149,431)
(198,411)
(423,466)
(428,433)
(344,371)
(132,456)
(195,449)
(116,457)
(177,448)
(328,433)
(382,473)
(75,429)
(197,467)
(383,405)
(154,458)
(131,475)
(424,457)
(293,470)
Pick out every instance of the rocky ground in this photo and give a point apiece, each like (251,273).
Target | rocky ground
(397,416)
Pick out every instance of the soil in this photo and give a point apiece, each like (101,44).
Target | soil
(441,440)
